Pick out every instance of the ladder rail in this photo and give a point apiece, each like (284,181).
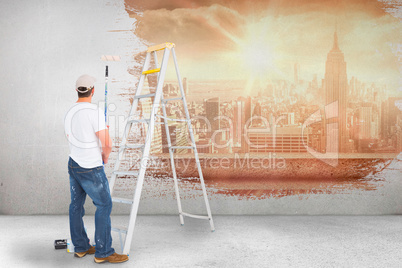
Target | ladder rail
(172,164)
(158,73)
(156,63)
(145,156)
(127,129)
(197,160)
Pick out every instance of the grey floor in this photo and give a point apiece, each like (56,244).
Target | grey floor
(239,241)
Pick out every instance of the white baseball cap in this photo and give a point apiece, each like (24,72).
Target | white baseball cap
(86,81)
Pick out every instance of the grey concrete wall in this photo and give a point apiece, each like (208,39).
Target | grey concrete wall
(44,47)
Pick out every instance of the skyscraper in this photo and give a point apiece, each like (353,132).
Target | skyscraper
(256,118)
(389,115)
(336,89)
(365,121)
(212,112)
(242,111)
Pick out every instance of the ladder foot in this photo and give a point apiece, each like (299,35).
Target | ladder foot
(213,231)
(182,224)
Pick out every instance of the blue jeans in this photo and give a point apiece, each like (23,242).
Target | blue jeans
(92,182)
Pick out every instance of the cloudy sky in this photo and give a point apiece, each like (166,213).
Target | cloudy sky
(228,39)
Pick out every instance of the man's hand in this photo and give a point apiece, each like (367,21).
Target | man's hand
(106,141)
(105,158)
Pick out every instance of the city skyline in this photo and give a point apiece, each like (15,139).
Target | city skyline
(356,115)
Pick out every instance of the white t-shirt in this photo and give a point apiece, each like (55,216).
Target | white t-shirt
(81,123)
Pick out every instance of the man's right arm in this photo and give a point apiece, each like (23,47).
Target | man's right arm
(106,141)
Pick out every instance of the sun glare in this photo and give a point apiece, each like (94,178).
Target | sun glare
(256,51)
(257,57)
(255,54)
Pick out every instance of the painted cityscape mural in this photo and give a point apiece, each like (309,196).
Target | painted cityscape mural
(286,97)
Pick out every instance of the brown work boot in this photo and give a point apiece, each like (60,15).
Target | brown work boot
(114,258)
(91,250)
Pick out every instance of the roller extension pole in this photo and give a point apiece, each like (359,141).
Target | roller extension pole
(106,80)
(108,58)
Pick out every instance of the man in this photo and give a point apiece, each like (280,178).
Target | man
(90,144)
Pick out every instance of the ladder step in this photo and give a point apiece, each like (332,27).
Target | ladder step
(144,96)
(122,200)
(119,230)
(195,216)
(138,121)
(172,99)
(172,119)
(132,146)
(181,147)
(177,120)
(126,173)
(152,71)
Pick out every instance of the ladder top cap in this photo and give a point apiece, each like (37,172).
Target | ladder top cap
(161,46)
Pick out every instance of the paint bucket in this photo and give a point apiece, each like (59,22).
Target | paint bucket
(70,246)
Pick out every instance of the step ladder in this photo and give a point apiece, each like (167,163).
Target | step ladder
(145,148)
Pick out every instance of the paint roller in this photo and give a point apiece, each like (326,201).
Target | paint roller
(108,58)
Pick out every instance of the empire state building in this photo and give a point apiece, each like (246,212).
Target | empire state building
(336,89)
